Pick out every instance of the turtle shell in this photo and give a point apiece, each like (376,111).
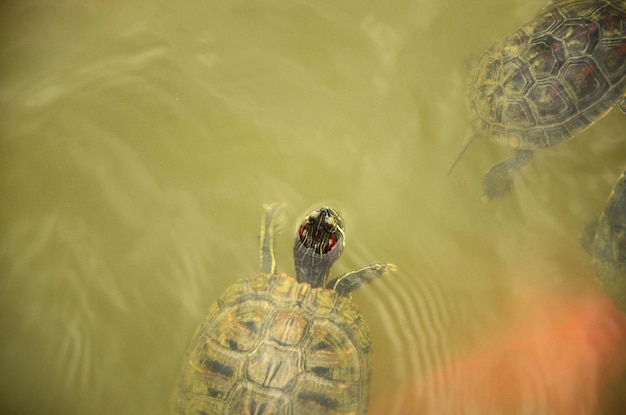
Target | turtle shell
(609,245)
(553,77)
(272,345)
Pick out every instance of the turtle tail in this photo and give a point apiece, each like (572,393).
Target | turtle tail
(471,136)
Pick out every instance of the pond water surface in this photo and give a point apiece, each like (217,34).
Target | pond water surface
(140,139)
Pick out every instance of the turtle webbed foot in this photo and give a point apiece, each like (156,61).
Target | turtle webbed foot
(350,281)
(499,179)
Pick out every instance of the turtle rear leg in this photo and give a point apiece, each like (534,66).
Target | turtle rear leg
(622,105)
(270,223)
(499,180)
(350,281)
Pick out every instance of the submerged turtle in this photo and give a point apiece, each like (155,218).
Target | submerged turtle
(548,81)
(273,344)
(606,240)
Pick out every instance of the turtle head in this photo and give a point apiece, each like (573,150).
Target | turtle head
(319,243)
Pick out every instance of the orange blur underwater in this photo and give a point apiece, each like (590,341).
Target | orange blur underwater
(561,358)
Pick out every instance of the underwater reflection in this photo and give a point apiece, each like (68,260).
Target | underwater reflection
(560,356)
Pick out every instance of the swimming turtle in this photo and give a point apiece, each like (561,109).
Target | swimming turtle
(273,344)
(606,240)
(547,82)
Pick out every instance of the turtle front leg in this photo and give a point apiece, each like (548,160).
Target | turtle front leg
(270,223)
(350,281)
(499,180)
(622,105)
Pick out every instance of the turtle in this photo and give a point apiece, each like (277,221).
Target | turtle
(605,239)
(548,81)
(275,344)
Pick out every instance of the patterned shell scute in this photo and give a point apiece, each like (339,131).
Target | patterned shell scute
(271,345)
(552,78)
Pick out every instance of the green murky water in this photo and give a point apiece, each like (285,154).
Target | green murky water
(139,140)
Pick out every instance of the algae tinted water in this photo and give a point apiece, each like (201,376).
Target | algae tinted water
(140,139)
